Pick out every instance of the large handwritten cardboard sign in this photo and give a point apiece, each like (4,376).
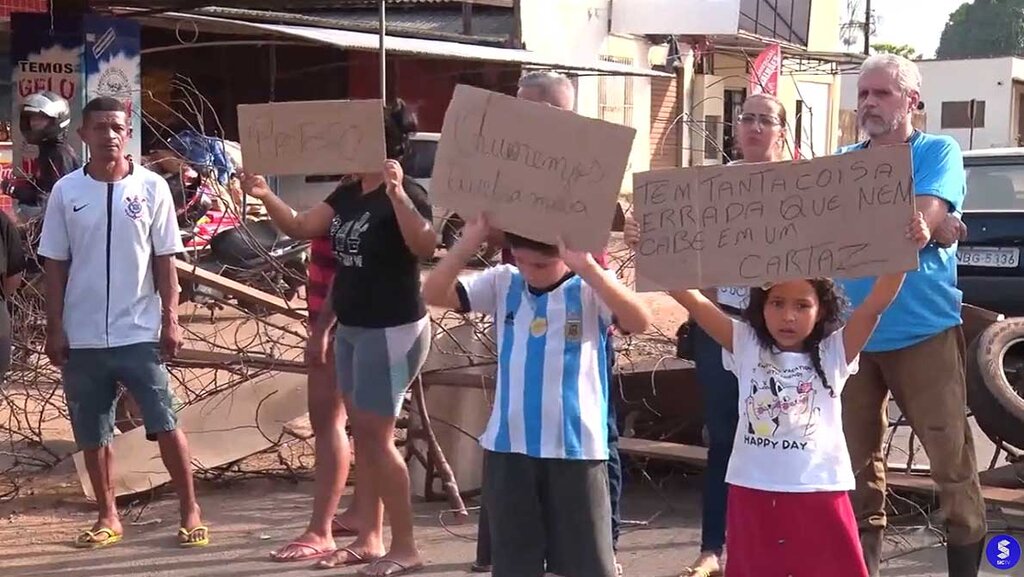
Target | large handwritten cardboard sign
(536,170)
(748,224)
(317,137)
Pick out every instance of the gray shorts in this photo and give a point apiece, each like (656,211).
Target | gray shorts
(550,515)
(376,366)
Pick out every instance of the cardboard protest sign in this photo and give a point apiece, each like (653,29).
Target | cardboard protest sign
(748,224)
(316,137)
(536,170)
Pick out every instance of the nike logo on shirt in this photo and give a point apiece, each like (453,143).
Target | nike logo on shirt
(78,208)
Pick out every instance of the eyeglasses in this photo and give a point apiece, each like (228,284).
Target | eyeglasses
(764,120)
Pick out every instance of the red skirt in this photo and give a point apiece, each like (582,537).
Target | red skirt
(791,535)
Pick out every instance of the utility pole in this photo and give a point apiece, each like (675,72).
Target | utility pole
(383,54)
(867,28)
(972,111)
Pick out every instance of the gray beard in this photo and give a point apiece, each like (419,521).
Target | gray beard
(893,126)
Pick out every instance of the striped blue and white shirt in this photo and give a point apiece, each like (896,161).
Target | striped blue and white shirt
(552,389)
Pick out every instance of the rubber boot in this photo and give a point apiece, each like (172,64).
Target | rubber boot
(964,560)
(871,543)
(483,545)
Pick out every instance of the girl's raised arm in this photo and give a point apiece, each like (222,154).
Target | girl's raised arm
(702,309)
(707,314)
(865,318)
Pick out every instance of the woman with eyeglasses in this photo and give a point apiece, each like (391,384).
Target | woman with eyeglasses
(761,131)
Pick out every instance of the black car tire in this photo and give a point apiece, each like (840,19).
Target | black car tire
(998,408)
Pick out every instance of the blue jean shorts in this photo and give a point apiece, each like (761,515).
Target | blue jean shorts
(91,377)
(376,366)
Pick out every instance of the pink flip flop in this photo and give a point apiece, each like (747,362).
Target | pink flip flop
(311,552)
(339,529)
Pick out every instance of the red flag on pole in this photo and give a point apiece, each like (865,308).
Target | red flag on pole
(765,74)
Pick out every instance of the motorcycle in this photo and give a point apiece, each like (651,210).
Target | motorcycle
(255,254)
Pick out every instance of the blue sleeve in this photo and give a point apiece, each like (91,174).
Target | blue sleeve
(940,172)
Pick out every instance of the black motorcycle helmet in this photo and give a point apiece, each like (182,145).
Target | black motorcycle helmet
(55,113)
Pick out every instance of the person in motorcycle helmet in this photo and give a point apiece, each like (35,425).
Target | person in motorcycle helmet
(44,122)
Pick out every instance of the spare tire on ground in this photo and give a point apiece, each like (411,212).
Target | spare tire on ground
(995,381)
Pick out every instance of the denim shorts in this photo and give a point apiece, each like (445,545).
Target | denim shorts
(91,377)
(376,366)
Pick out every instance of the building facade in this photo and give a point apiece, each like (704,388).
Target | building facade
(717,43)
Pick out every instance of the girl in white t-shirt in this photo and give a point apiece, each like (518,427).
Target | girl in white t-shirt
(789,473)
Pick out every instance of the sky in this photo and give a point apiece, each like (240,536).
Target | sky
(906,22)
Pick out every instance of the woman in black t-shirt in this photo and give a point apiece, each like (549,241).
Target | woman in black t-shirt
(380,228)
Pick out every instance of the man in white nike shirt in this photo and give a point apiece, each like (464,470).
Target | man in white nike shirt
(109,238)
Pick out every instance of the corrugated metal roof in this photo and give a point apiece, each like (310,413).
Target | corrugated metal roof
(490,26)
(495,23)
(504,3)
(417,46)
(168,5)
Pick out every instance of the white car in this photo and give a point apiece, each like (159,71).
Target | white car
(419,165)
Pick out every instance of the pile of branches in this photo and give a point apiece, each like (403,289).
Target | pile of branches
(34,421)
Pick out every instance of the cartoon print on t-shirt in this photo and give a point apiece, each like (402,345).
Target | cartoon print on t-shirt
(783,406)
(796,408)
(762,411)
(346,239)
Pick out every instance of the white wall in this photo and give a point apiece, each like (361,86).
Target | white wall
(817,113)
(848,91)
(988,79)
(570,28)
(981,79)
(578,30)
(1017,68)
(678,17)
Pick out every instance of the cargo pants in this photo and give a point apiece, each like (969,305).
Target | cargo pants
(927,381)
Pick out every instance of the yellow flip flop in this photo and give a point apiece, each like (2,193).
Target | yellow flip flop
(89,539)
(187,539)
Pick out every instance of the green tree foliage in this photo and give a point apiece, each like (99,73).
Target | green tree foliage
(904,50)
(984,28)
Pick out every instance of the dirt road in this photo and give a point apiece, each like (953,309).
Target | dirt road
(248,519)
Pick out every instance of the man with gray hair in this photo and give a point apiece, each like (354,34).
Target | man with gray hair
(548,87)
(917,352)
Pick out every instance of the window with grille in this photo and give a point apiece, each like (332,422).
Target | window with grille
(615,95)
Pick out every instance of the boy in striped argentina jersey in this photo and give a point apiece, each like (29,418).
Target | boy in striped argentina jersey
(545,479)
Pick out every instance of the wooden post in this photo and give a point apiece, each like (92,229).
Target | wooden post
(436,463)
(467,18)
